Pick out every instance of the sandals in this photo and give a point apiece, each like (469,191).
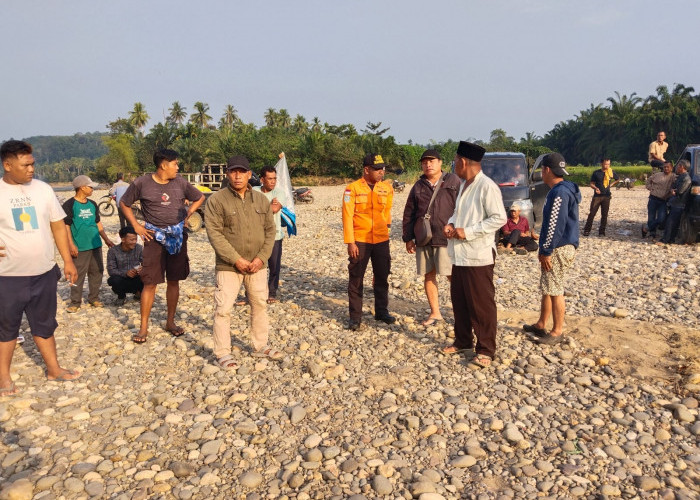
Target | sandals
(138,338)
(480,361)
(10,390)
(178,331)
(272,300)
(227,363)
(63,378)
(241,302)
(269,353)
(538,332)
(431,321)
(453,349)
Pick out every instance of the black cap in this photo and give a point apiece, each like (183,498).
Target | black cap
(430,153)
(470,151)
(238,161)
(374,161)
(556,163)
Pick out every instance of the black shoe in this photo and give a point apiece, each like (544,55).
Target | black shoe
(644,231)
(550,339)
(386,318)
(586,233)
(354,324)
(601,234)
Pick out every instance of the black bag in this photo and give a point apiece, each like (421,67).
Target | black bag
(421,229)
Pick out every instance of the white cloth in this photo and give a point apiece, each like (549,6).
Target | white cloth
(480,212)
(282,198)
(26,211)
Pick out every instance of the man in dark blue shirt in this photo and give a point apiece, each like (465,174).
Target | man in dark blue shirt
(601,182)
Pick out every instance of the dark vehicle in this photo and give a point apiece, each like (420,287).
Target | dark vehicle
(509,171)
(303,195)
(690,220)
(398,185)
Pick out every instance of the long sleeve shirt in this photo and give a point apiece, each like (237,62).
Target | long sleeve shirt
(480,212)
(119,262)
(239,227)
(659,185)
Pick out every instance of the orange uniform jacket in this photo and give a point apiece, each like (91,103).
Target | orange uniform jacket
(367,212)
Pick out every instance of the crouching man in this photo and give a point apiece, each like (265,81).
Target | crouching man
(124,266)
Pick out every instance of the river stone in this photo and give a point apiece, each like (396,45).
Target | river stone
(251,479)
(22,489)
(382,485)
(463,461)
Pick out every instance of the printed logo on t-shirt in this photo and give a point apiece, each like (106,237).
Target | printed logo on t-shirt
(165,198)
(25,218)
(85,213)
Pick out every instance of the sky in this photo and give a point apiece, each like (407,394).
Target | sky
(431,71)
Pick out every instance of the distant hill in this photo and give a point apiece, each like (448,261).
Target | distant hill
(55,148)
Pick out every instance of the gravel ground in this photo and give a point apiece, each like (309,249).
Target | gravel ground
(377,413)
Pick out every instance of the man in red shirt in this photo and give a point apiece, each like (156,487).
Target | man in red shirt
(517,235)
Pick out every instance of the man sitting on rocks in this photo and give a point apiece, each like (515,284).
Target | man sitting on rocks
(124,266)
(517,235)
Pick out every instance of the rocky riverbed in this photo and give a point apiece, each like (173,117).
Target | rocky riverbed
(377,413)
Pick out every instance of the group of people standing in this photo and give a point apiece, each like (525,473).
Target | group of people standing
(449,223)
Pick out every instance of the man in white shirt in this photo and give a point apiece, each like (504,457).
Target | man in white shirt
(479,214)
(31,220)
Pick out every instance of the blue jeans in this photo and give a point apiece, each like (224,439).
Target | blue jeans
(656,213)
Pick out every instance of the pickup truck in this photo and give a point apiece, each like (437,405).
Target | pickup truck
(690,220)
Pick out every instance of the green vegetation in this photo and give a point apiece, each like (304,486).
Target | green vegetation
(622,130)
(582,175)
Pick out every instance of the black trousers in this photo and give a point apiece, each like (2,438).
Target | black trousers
(121,285)
(122,218)
(474,304)
(520,241)
(602,202)
(379,254)
(274,264)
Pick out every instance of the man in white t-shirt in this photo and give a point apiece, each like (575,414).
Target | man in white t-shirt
(31,220)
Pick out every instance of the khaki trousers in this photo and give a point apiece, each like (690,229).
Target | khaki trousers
(228,283)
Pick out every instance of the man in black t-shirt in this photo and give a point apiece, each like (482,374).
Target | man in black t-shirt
(601,182)
(162,195)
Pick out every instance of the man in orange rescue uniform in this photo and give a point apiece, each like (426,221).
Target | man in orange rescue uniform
(366,225)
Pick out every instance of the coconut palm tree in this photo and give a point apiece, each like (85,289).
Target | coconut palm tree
(229,118)
(177,114)
(200,117)
(300,125)
(285,121)
(270,117)
(316,124)
(138,116)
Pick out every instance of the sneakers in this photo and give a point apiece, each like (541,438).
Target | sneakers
(550,339)
(97,303)
(73,309)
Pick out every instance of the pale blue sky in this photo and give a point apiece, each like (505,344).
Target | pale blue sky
(429,70)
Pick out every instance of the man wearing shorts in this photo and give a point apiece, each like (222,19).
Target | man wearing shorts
(558,244)
(31,220)
(162,195)
(431,258)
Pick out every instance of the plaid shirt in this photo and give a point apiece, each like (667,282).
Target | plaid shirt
(120,262)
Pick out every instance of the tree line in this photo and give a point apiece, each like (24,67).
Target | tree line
(621,129)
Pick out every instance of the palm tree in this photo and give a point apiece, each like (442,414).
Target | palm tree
(229,118)
(200,116)
(177,114)
(270,117)
(138,116)
(284,120)
(300,125)
(316,124)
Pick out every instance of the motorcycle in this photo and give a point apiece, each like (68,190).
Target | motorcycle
(627,183)
(108,207)
(398,185)
(303,195)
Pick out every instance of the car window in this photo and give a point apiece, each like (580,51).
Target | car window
(505,171)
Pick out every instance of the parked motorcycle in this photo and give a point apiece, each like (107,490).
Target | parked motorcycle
(303,195)
(108,207)
(627,183)
(398,185)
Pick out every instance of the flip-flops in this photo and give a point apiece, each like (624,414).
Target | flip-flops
(139,339)
(480,361)
(10,390)
(538,332)
(431,321)
(62,377)
(269,353)
(453,349)
(178,331)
